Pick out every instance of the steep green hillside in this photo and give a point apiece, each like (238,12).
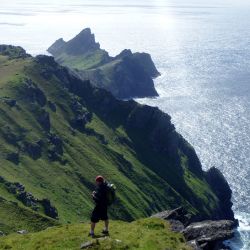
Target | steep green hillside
(127,75)
(146,234)
(58,132)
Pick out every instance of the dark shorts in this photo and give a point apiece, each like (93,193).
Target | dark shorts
(99,213)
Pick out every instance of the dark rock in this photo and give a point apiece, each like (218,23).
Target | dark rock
(34,93)
(44,120)
(178,214)
(11,102)
(210,233)
(13,157)
(52,106)
(57,46)
(145,60)
(176,225)
(2,233)
(13,52)
(49,209)
(82,43)
(27,199)
(161,131)
(33,149)
(57,143)
(223,191)
(124,53)
(46,60)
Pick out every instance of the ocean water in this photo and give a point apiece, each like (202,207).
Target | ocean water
(202,50)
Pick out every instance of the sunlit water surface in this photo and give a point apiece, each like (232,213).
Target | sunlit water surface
(202,51)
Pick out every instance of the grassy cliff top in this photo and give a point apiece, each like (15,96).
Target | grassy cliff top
(144,234)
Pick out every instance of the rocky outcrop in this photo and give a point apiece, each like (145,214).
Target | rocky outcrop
(82,43)
(202,235)
(179,214)
(145,60)
(34,150)
(210,234)
(13,52)
(126,76)
(55,149)
(49,209)
(82,115)
(43,119)
(33,93)
(28,198)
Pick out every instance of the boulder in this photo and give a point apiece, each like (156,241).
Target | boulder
(22,232)
(1,233)
(88,244)
(209,233)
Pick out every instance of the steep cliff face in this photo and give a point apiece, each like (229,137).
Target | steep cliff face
(58,132)
(127,75)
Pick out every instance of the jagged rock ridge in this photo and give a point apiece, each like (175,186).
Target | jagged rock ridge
(126,75)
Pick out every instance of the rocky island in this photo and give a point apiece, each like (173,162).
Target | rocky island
(126,75)
(57,132)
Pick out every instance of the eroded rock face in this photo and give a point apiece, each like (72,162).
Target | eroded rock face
(210,233)
(222,189)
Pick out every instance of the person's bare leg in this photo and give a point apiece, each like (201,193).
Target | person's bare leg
(106,222)
(92,228)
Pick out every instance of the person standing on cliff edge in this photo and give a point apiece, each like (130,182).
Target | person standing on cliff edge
(100,212)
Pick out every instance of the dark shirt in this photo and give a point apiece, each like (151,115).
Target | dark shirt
(100,196)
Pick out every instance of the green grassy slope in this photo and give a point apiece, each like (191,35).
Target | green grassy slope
(145,234)
(48,145)
(15,217)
